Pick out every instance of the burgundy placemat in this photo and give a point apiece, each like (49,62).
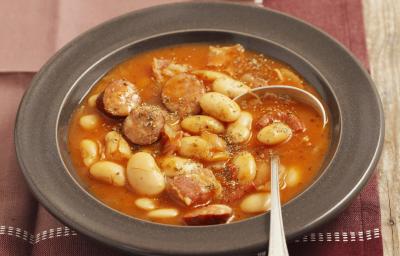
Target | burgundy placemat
(26,228)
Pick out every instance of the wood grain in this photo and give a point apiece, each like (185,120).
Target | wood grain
(382,21)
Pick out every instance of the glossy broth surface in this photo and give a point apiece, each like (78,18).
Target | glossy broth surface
(302,156)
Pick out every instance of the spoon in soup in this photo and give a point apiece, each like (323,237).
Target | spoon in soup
(291,92)
(277,240)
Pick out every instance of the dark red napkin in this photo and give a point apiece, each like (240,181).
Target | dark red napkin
(26,228)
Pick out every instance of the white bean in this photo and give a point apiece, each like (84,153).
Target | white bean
(216,143)
(146,182)
(274,133)
(163,213)
(174,165)
(293,177)
(240,130)
(246,166)
(254,203)
(194,147)
(209,75)
(143,160)
(217,147)
(263,172)
(117,148)
(218,156)
(143,174)
(229,87)
(92,100)
(220,106)
(108,172)
(263,176)
(89,152)
(199,123)
(223,83)
(145,203)
(89,122)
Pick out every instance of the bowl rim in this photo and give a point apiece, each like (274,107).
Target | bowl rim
(21,133)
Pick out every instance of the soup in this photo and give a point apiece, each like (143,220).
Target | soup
(160,138)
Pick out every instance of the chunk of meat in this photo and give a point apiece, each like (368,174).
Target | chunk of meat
(171,139)
(295,123)
(224,56)
(118,99)
(144,124)
(253,81)
(187,190)
(182,93)
(285,117)
(209,215)
(116,147)
(197,187)
(158,66)
(237,191)
(232,189)
(164,69)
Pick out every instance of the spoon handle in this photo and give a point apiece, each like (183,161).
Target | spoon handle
(277,241)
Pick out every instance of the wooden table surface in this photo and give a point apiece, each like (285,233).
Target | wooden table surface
(382,23)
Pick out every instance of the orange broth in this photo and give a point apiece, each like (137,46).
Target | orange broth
(305,151)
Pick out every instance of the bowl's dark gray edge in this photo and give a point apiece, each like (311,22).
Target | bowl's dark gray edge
(334,211)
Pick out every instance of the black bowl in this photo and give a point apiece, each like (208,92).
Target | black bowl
(42,123)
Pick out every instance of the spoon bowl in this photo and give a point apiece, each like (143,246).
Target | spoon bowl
(294,93)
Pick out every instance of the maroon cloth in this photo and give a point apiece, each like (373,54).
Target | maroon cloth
(26,228)
(46,25)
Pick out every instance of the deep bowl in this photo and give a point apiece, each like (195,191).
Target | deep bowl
(42,123)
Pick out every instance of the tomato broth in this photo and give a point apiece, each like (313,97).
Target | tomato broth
(301,154)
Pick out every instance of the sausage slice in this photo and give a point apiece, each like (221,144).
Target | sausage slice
(209,215)
(194,188)
(143,125)
(182,93)
(119,98)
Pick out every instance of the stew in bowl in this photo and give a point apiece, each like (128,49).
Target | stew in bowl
(160,137)
(48,133)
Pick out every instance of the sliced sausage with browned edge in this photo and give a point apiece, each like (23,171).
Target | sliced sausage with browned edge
(118,99)
(209,215)
(144,124)
(182,93)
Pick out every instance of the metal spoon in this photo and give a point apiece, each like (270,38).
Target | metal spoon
(294,93)
(277,240)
